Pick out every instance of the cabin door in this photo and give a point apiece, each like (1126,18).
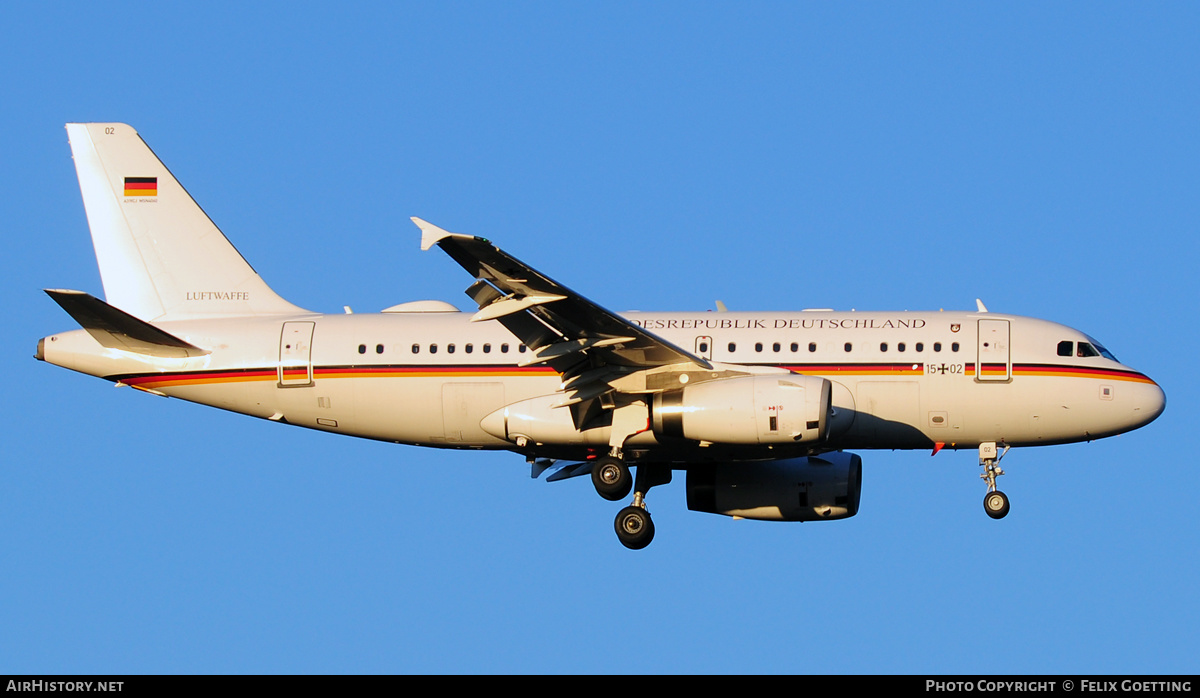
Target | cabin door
(995,359)
(295,354)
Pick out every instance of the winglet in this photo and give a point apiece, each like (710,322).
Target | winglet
(432,235)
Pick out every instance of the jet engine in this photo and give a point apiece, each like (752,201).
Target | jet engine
(816,488)
(768,409)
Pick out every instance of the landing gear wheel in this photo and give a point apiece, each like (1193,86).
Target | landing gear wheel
(996,504)
(634,527)
(612,479)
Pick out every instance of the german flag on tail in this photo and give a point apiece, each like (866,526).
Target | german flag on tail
(141,186)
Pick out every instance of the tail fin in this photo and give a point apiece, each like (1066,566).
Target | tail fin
(160,256)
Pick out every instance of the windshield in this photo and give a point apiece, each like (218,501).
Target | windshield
(1103,352)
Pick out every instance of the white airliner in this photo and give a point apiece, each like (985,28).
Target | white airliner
(756,408)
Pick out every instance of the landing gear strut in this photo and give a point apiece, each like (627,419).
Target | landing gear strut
(635,528)
(995,502)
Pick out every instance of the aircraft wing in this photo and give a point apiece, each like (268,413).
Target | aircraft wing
(588,344)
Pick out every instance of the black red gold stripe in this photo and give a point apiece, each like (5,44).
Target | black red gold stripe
(969,369)
(166,380)
(141,186)
(1079,372)
(161,380)
(846,369)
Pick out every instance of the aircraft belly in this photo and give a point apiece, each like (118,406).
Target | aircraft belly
(889,412)
(464,405)
(435,411)
(326,404)
(251,398)
(1073,409)
(399,409)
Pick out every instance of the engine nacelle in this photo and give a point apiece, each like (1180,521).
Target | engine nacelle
(772,409)
(816,488)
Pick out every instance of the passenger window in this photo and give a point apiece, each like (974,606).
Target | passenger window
(758,346)
(937,346)
(812,347)
(487,348)
(521,348)
(775,346)
(416,348)
(450,348)
(432,348)
(954,346)
(795,347)
(848,346)
(362,348)
(732,347)
(920,346)
(378,348)
(883,346)
(703,347)
(469,348)
(900,346)
(504,348)
(1066,348)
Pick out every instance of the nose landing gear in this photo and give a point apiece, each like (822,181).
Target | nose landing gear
(995,502)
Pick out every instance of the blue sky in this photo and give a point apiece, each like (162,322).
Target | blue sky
(1043,157)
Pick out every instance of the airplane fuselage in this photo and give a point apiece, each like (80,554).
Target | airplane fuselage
(756,407)
(900,380)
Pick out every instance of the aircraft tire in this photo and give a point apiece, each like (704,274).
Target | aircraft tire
(996,504)
(635,528)
(612,478)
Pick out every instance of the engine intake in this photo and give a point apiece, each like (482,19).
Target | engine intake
(747,410)
(816,488)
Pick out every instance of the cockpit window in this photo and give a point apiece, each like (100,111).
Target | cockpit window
(1085,350)
(1103,352)
(1066,348)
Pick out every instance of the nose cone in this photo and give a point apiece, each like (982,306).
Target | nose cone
(1149,402)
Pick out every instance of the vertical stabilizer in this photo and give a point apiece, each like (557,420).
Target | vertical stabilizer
(160,256)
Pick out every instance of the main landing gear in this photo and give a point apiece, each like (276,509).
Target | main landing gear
(995,502)
(611,476)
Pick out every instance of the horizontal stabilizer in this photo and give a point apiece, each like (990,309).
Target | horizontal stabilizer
(116,329)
